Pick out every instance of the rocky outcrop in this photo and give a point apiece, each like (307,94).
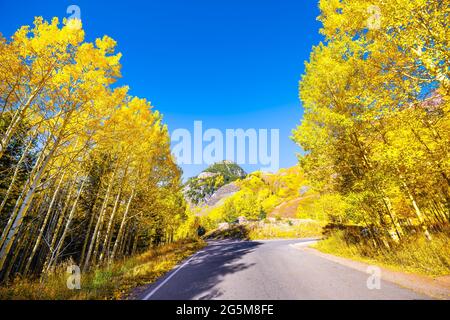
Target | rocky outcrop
(223,192)
(204,188)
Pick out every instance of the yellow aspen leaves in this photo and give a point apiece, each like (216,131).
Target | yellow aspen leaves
(95,174)
(375,130)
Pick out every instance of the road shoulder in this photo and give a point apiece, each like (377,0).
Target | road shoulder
(435,287)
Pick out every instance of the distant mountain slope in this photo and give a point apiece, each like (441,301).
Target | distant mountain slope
(223,192)
(293,208)
(284,194)
(259,195)
(200,189)
(287,209)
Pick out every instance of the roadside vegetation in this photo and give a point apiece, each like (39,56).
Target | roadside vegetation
(263,230)
(416,255)
(115,281)
(287,229)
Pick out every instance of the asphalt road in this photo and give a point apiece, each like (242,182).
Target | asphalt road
(271,270)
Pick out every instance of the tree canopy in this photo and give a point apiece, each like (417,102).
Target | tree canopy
(86,169)
(376,128)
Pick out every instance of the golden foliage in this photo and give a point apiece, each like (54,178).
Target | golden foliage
(94,175)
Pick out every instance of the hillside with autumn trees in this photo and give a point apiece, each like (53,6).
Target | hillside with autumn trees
(376,135)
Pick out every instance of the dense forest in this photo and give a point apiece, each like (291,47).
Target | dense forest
(376,128)
(86,171)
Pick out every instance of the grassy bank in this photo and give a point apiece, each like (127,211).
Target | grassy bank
(415,254)
(282,229)
(286,230)
(112,282)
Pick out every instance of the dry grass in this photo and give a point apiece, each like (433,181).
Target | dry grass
(279,229)
(113,282)
(284,230)
(261,230)
(415,254)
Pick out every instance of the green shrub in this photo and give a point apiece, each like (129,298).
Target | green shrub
(278,230)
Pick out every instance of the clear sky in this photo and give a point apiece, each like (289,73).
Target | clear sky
(229,63)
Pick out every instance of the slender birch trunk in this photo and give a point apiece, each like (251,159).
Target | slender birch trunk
(97,229)
(30,194)
(105,250)
(51,252)
(21,110)
(69,221)
(121,228)
(44,225)
(24,208)
(108,230)
(19,200)
(66,228)
(16,172)
(91,223)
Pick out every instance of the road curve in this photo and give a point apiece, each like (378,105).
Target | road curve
(266,270)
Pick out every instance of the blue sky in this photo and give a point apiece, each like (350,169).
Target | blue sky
(229,63)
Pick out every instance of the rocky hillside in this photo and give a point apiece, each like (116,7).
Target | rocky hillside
(201,189)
